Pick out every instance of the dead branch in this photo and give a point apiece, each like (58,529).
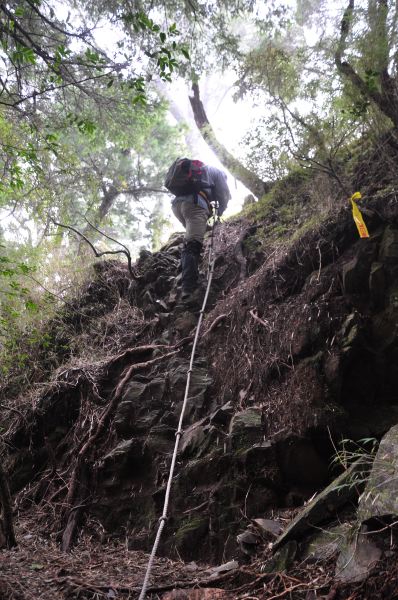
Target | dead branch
(152,589)
(125,250)
(6,523)
(14,410)
(289,590)
(107,236)
(183,342)
(259,320)
(76,513)
(214,324)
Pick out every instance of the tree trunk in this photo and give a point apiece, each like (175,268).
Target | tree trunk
(386,99)
(183,116)
(234,166)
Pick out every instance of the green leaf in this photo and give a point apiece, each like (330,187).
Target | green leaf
(140,99)
(23,55)
(31,306)
(86,126)
(24,269)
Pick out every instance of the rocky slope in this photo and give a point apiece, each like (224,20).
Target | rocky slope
(298,352)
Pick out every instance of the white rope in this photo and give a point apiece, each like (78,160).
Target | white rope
(179,432)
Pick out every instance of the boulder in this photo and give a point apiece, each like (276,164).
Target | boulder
(248,542)
(190,535)
(325,543)
(193,439)
(384,328)
(355,276)
(246,428)
(325,506)
(389,246)
(185,323)
(380,497)
(377,283)
(268,527)
(282,559)
(356,559)
(141,406)
(222,415)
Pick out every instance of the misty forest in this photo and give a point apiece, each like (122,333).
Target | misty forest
(198,384)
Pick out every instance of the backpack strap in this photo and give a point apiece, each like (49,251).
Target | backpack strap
(205,197)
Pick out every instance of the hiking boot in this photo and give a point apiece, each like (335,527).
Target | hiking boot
(190,256)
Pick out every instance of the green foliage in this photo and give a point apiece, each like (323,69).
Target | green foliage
(349,451)
(29,330)
(291,209)
(15,297)
(35,41)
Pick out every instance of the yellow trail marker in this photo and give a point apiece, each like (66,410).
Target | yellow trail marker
(358,218)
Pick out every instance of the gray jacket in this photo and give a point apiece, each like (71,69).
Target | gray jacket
(219,192)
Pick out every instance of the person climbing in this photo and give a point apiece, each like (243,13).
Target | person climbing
(195,187)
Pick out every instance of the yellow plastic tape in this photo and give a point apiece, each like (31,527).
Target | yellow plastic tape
(358,218)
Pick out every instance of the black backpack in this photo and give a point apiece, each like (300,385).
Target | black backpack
(187,176)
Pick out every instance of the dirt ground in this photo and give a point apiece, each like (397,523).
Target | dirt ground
(96,570)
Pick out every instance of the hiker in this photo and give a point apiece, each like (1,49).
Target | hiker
(195,186)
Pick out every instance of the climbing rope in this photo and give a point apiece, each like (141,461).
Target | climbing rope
(179,432)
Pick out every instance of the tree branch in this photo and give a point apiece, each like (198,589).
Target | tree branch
(125,251)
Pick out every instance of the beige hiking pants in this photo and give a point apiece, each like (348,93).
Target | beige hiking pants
(192,216)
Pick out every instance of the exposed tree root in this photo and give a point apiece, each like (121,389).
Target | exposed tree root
(80,474)
(6,522)
(214,324)
(137,367)
(76,513)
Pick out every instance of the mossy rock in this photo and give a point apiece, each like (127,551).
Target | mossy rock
(190,535)
(246,428)
(380,497)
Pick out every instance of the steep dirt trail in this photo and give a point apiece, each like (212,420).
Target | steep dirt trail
(299,350)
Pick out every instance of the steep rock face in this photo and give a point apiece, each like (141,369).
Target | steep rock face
(299,354)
